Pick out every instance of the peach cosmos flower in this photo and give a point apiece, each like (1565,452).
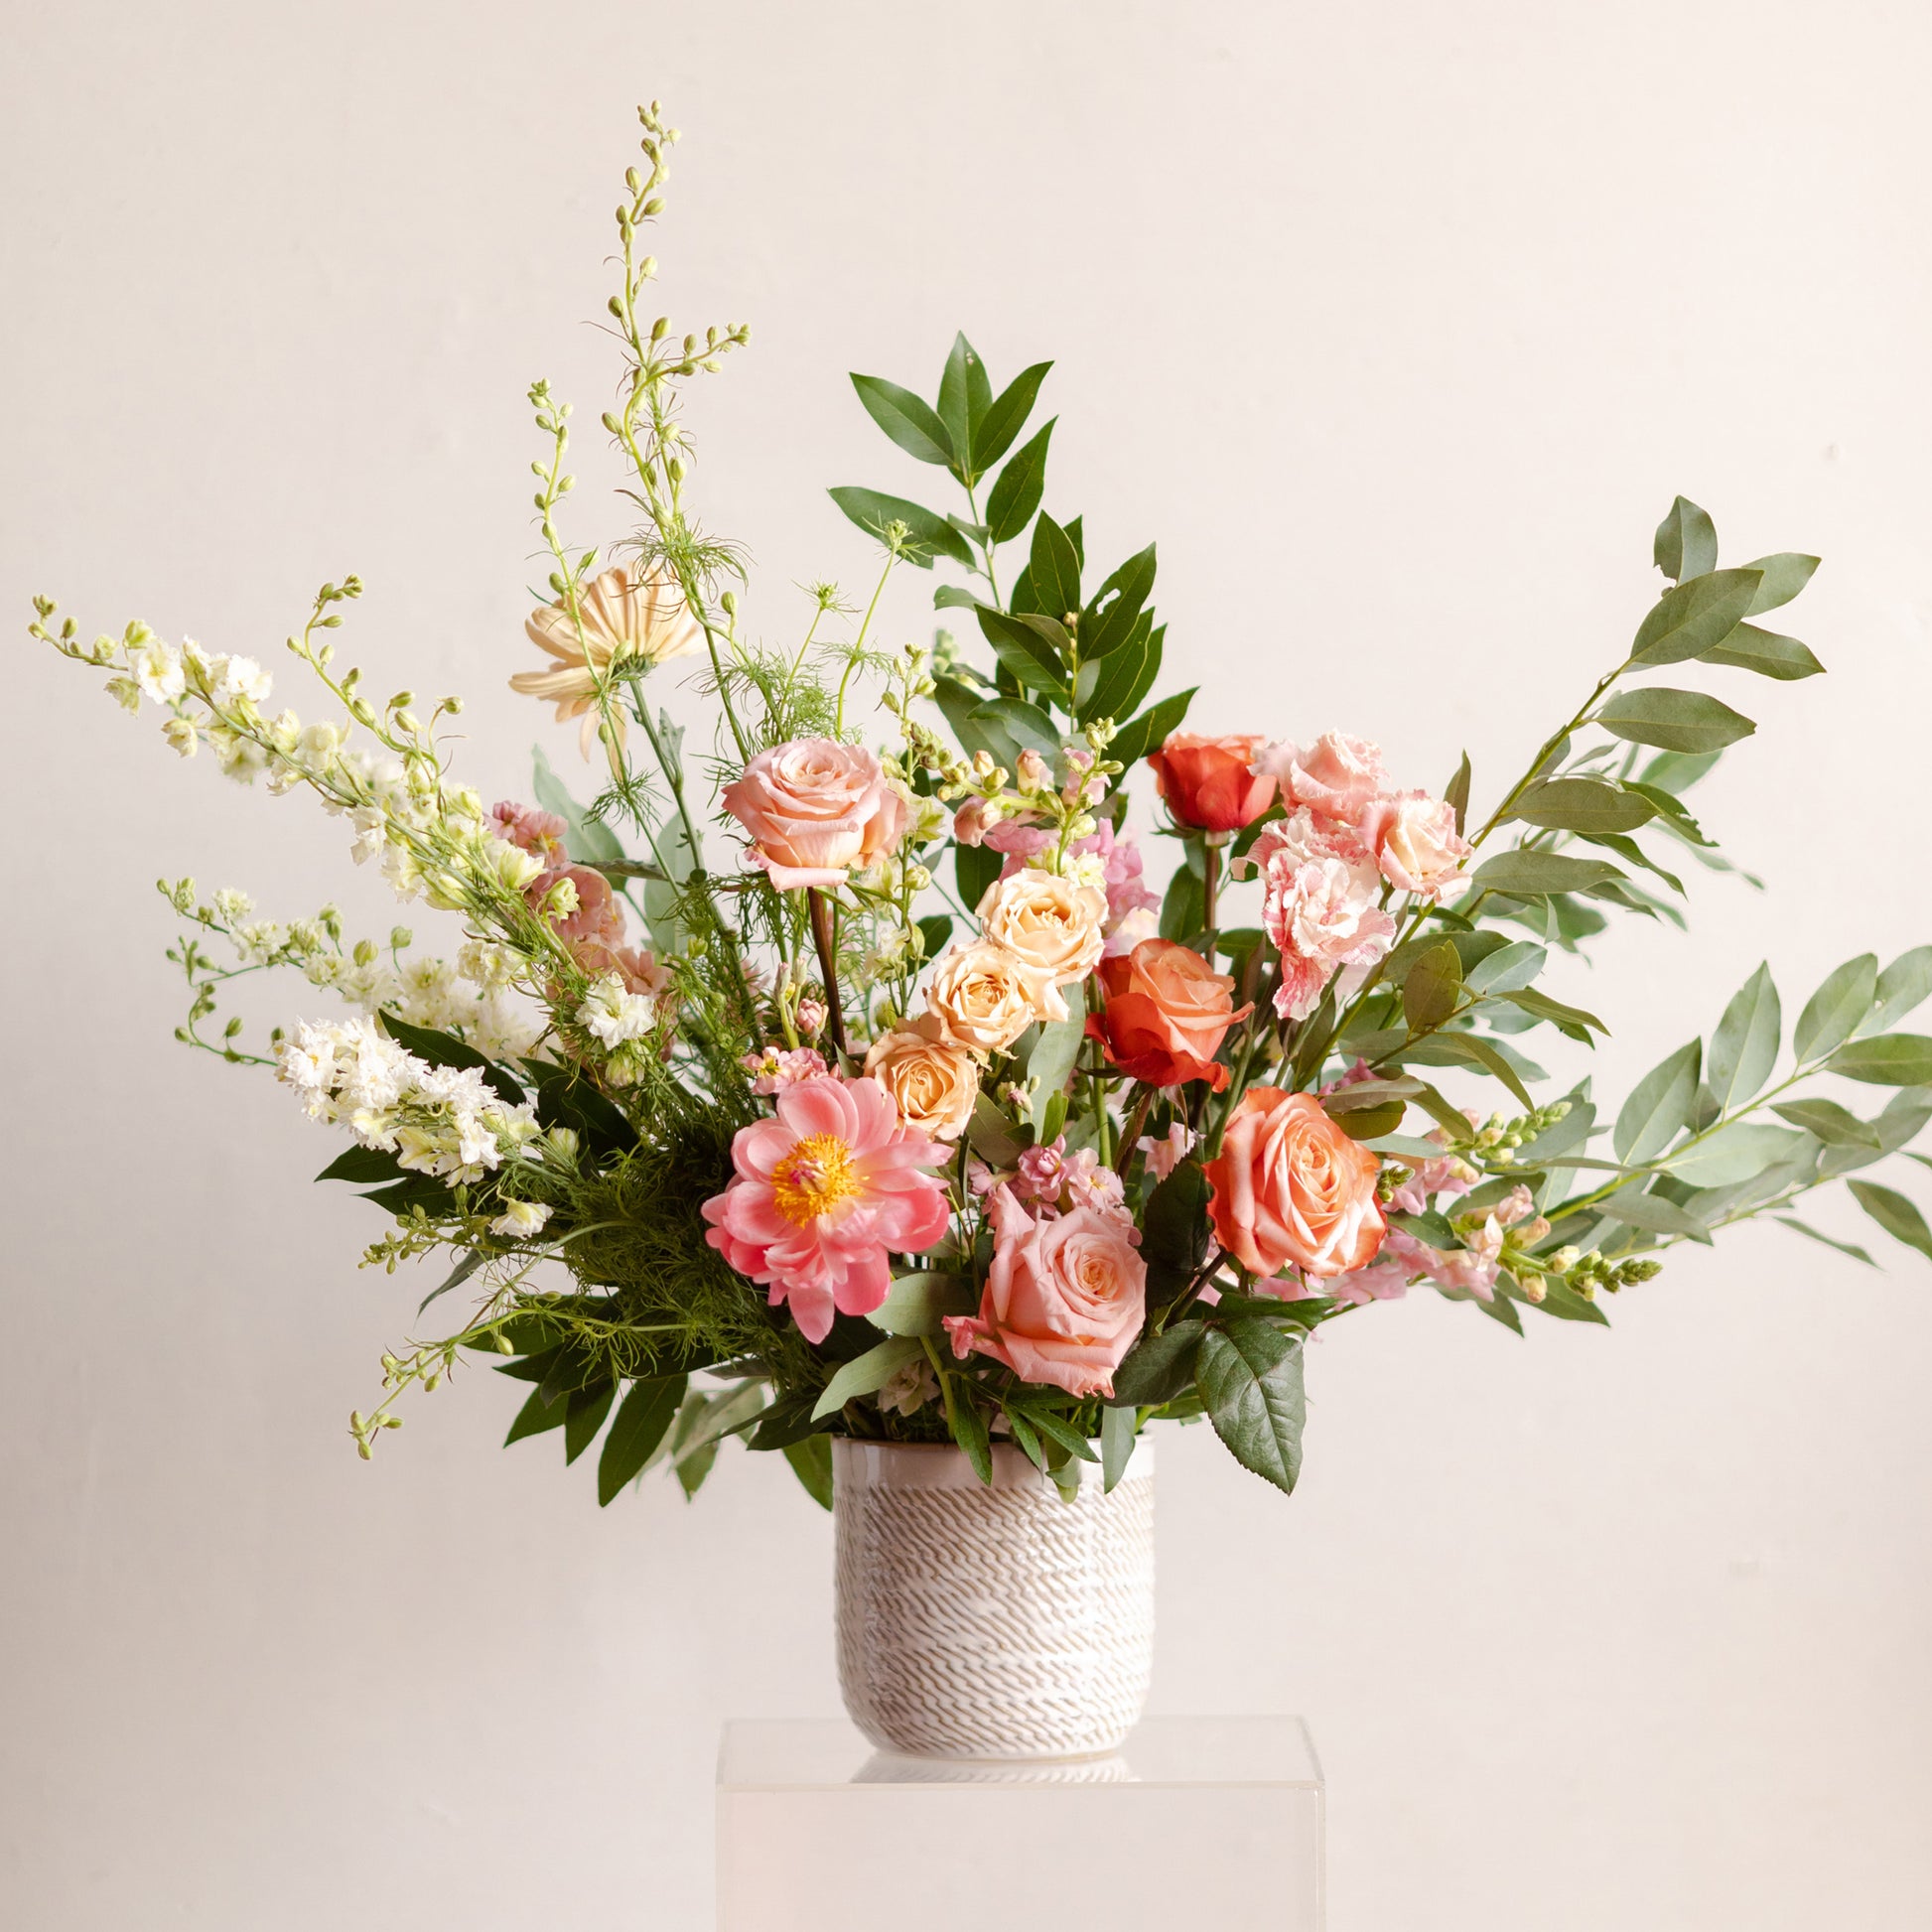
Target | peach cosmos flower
(823,1193)
(1212,784)
(1337,777)
(1168,1011)
(1064,1298)
(815,808)
(1289,1188)
(932,1081)
(624,612)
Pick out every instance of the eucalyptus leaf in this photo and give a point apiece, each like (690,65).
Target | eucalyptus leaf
(1902,986)
(1433,988)
(1733,1154)
(1584,805)
(1783,576)
(868,1374)
(1827,1121)
(1844,1247)
(1528,874)
(1675,721)
(1886,1061)
(1895,1214)
(1699,613)
(1653,1214)
(1747,648)
(1832,1013)
(917,1304)
(1056,1049)
(1686,544)
(1508,969)
(1745,1048)
(1456,794)
(1659,1107)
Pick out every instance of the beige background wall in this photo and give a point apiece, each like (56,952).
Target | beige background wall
(1398,326)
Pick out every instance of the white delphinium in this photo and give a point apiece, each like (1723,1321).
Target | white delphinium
(158,670)
(520,1219)
(371,833)
(182,736)
(614,1016)
(232,678)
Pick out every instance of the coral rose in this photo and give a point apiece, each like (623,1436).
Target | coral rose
(1053,926)
(1210,784)
(1414,842)
(985,998)
(1064,1298)
(932,1081)
(815,809)
(1291,1189)
(823,1193)
(1168,1011)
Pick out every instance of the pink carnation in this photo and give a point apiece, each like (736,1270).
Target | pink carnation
(1337,777)
(823,1194)
(1322,916)
(1414,842)
(539,833)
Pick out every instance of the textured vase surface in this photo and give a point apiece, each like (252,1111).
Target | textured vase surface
(999,1622)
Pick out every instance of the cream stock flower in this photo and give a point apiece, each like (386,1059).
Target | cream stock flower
(932,1081)
(625,613)
(985,997)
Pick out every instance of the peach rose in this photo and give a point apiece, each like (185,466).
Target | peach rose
(984,997)
(1337,777)
(1064,1298)
(932,1081)
(1289,1188)
(1053,926)
(1414,842)
(1211,782)
(815,809)
(1167,1011)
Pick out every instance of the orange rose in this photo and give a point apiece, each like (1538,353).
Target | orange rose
(1209,783)
(1290,1187)
(1168,1011)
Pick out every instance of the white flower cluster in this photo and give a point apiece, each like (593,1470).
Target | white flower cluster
(435,1120)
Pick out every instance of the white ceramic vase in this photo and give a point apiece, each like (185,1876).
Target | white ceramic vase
(991,1622)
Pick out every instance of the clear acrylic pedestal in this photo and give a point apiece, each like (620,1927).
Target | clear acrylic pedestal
(1196,1821)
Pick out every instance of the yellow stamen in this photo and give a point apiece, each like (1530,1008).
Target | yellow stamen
(813,1179)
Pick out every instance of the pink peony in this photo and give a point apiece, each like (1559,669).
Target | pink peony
(541,834)
(823,1193)
(1322,916)
(1414,842)
(815,809)
(1337,777)
(1064,1298)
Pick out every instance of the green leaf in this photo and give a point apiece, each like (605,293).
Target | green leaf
(642,1418)
(1749,648)
(1055,1051)
(1498,1309)
(935,931)
(1584,805)
(953,596)
(910,423)
(872,510)
(1250,1375)
(1895,1214)
(1018,489)
(1827,1121)
(811,1463)
(1902,986)
(588,839)
(1653,1214)
(1433,988)
(1844,1247)
(584,1417)
(1886,1061)
(1027,648)
(1570,1020)
(360,1166)
(869,1374)
(1055,568)
(1676,721)
(1660,1106)
(445,1050)
(964,395)
(917,1304)
(1733,1154)
(969,1431)
(1005,416)
(1507,969)
(1833,1013)
(1686,544)
(1745,1048)
(1528,875)
(1151,728)
(1565,1305)
(1156,1370)
(1456,794)
(1698,615)
(535,1417)
(1173,1241)
(1784,575)
(1111,686)
(1468,1049)
(1117,1437)
(1024,723)
(1118,605)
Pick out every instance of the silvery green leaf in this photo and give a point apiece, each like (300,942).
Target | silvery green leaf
(1733,1153)
(1653,1214)
(1432,988)
(1902,986)
(1895,1214)
(1584,805)
(1844,1247)
(1834,1011)
(1674,720)
(1827,1121)
(1783,576)
(1699,613)
(1886,1061)
(1745,1048)
(1529,874)
(868,1373)
(1058,1046)
(1561,1135)
(1769,654)
(1660,1106)
(917,1304)
(1686,544)
(1508,969)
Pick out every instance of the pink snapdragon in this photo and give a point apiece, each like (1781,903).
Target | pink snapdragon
(779,1067)
(1056,1181)
(1445,1177)
(824,1193)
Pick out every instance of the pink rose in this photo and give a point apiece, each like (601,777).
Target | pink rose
(814,809)
(1414,842)
(1337,777)
(1064,1298)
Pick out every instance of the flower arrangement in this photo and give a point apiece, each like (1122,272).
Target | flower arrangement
(826,1086)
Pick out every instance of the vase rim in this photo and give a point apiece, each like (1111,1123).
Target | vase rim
(943,1465)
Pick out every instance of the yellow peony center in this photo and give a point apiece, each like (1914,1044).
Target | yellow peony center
(813,1179)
